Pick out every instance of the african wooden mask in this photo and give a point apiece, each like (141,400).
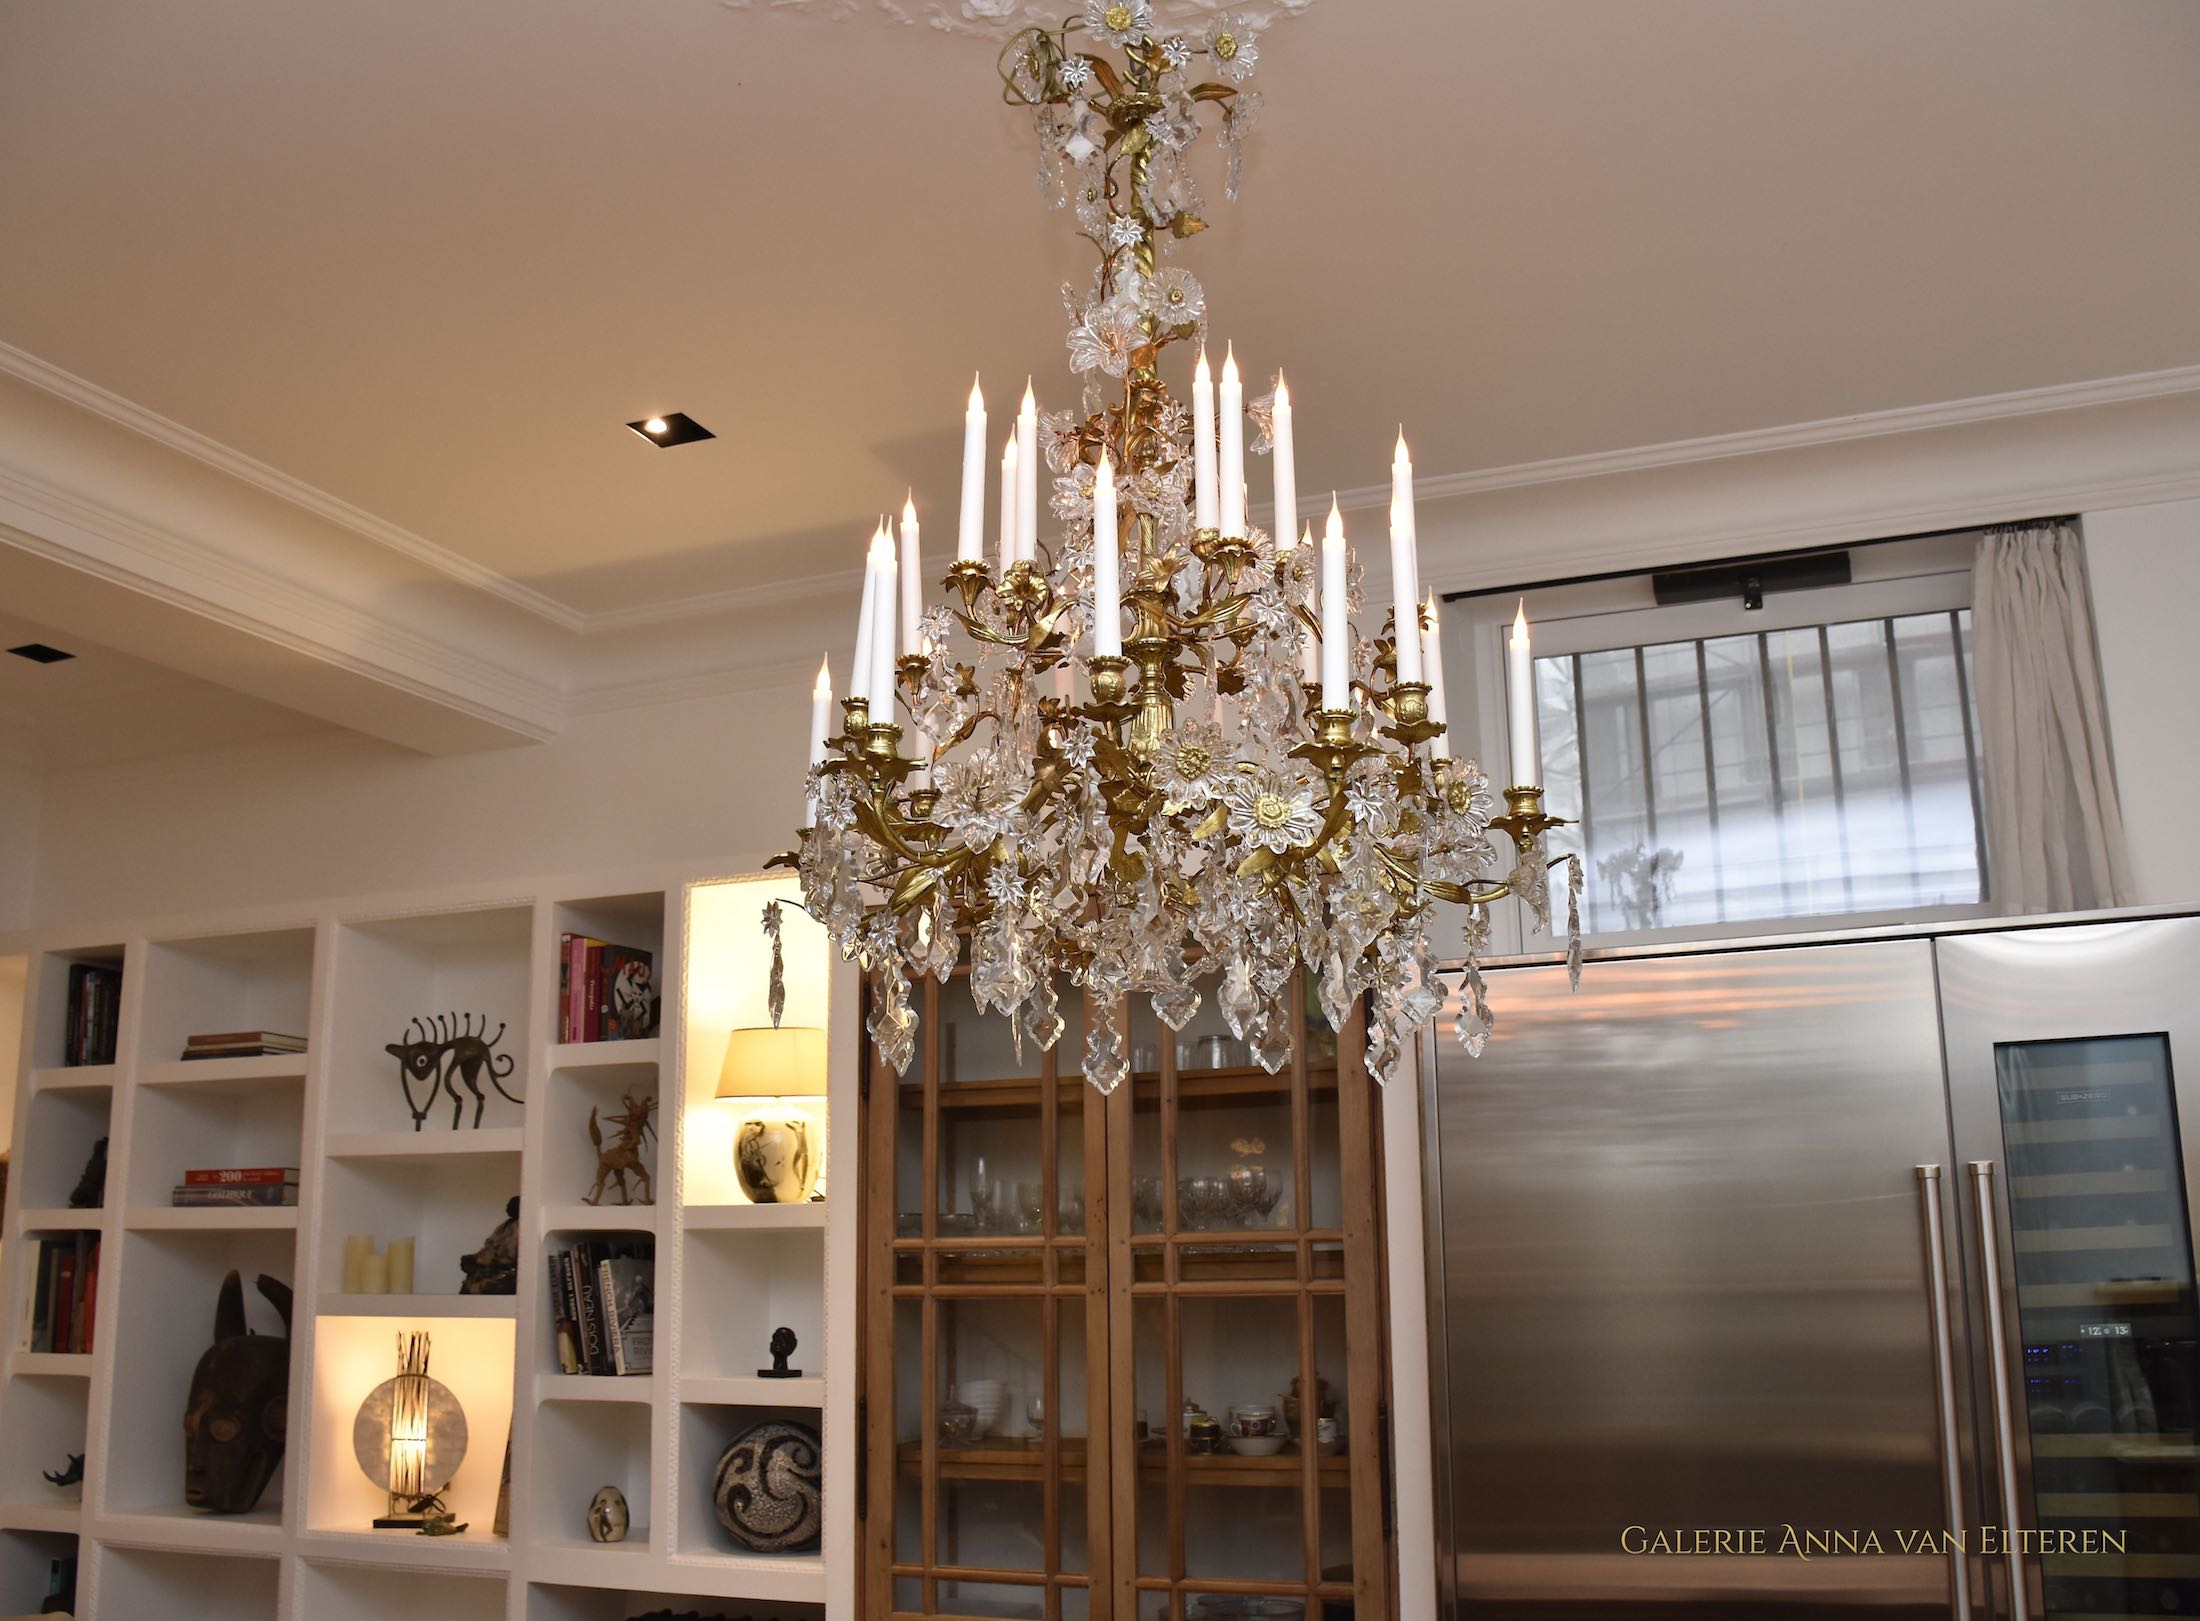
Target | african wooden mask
(234,1424)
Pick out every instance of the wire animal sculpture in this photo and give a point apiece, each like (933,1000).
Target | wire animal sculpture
(447,1050)
(624,1155)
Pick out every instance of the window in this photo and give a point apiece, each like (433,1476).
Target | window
(1802,770)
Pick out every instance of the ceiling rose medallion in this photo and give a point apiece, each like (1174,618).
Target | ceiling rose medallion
(1245,787)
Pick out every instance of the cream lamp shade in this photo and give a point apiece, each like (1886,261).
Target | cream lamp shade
(764,1061)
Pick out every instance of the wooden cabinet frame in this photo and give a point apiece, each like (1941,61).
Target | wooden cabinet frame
(1108,1268)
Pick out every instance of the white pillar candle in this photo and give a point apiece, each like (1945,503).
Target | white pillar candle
(912,579)
(401,1266)
(357,1247)
(1405,584)
(1310,653)
(821,723)
(1432,657)
(1203,445)
(1286,525)
(1230,475)
(1336,630)
(1008,506)
(1107,590)
(1064,689)
(970,538)
(859,668)
(883,645)
(1527,765)
(374,1274)
(1027,478)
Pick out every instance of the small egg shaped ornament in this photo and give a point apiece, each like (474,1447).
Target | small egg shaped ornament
(607,1515)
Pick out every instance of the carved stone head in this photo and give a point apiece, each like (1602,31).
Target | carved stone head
(234,1424)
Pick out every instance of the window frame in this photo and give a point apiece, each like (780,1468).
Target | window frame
(1931,575)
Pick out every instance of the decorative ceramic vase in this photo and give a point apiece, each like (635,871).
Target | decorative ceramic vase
(607,1515)
(767,1489)
(775,1158)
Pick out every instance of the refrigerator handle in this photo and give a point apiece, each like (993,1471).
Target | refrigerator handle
(1997,1366)
(1944,1391)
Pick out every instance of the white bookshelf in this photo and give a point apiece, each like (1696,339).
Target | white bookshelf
(348,975)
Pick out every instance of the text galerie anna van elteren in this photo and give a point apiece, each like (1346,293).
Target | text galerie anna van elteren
(1800,1542)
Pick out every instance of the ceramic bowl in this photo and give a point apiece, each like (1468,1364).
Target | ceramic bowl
(1256,1446)
(988,1396)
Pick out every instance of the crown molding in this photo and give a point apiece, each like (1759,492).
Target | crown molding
(249,470)
(66,528)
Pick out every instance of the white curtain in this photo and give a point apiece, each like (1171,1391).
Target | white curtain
(2054,828)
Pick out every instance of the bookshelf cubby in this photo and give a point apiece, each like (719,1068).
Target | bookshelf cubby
(348,975)
(190,1586)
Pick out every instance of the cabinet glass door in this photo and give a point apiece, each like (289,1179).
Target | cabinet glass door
(2101,1255)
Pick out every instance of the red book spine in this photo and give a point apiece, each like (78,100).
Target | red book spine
(91,1295)
(64,1303)
(593,1031)
(565,988)
(242,1176)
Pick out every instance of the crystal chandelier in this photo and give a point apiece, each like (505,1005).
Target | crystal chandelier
(1245,787)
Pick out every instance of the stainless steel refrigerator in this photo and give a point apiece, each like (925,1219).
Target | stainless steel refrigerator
(1836,1279)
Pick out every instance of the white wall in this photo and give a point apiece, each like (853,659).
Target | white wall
(716,778)
(2144,565)
(19,808)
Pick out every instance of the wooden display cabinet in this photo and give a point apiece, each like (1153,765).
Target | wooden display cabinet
(1051,1276)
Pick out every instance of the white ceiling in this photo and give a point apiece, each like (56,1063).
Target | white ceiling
(429,257)
(102,706)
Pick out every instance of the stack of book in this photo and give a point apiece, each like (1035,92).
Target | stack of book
(242,1044)
(603,1295)
(236,1185)
(605,992)
(95,1009)
(64,1285)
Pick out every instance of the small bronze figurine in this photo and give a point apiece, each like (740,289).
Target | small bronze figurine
(624,1156)
(73,1475)
(234,1424)
(90,1192)
(783,1344)
(493,1269)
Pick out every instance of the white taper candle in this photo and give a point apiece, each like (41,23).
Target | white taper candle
(1107,589)
(970,538)
(859,668)
(821,723)
(1286,525)
(1008,506)
(1230,475)
(1027,478)
(1527,763)
(882,630)
(1432,657)
(1336,627)
(1310,652)
(1405,583)
(912,579)
(1203,445)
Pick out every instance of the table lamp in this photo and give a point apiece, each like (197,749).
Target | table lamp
(777,1154)
(410,1437)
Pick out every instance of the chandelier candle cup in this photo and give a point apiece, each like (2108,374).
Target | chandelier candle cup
(1210,822)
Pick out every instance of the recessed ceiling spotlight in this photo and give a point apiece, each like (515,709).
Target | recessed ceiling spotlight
(40,653)
(673,428)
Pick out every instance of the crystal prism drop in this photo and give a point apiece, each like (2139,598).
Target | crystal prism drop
(1272,1043)
(1175,1005)
(1105,1063)
(1042,1016)
(1336,993)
